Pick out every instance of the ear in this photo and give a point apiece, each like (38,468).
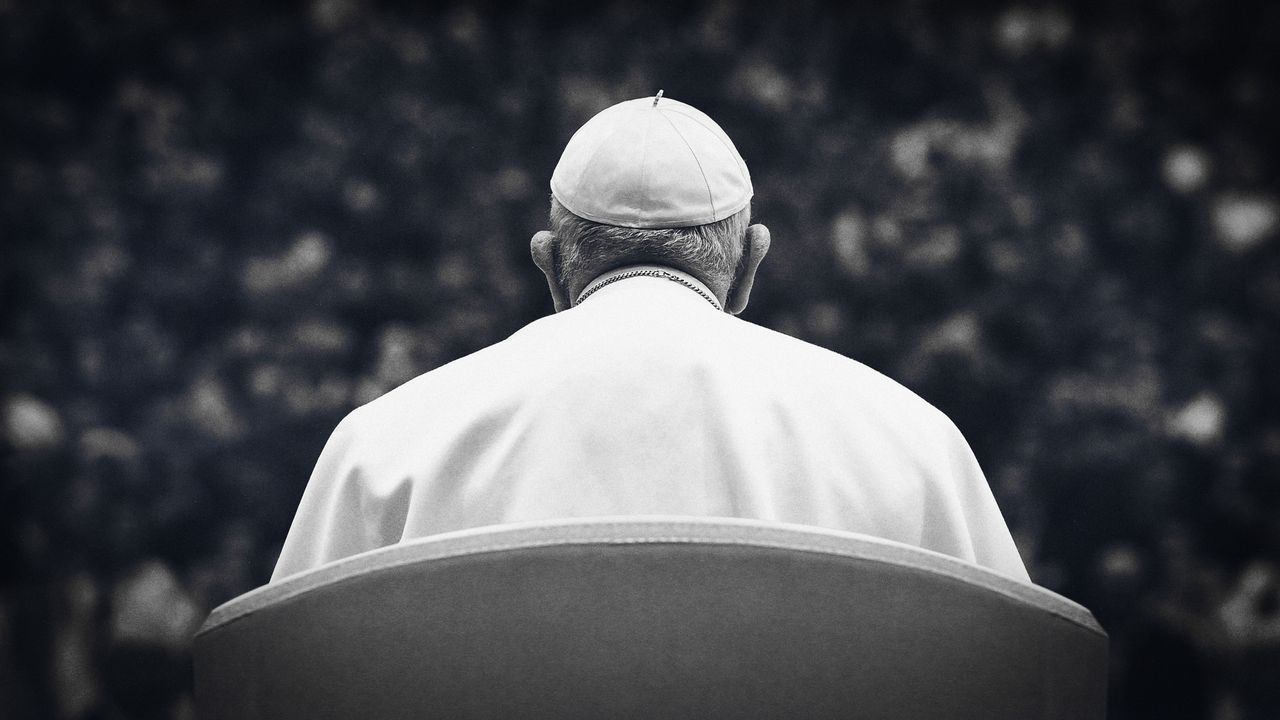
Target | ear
(754,247)
(544,247)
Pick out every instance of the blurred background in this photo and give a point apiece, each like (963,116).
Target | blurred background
(225,226)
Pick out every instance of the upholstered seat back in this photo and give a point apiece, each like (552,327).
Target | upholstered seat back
(655,618)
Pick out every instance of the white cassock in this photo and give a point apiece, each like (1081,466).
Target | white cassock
(646,400)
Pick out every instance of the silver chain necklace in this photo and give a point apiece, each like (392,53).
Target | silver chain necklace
(648,273)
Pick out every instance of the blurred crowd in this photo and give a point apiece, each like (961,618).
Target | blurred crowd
(225,226)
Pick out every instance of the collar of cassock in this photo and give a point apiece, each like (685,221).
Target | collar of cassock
(658,271)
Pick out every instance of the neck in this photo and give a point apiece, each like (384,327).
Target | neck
(650,270)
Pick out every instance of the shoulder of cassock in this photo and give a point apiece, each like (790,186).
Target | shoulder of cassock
(363,455)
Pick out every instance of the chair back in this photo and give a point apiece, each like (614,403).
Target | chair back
(650,618)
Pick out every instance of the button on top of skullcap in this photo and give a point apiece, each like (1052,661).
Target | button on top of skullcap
(651,162)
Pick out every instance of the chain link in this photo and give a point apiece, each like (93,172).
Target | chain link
(648,273)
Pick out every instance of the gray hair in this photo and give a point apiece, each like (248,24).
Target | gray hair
(712,250)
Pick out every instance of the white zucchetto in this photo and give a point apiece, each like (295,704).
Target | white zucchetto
(651,163)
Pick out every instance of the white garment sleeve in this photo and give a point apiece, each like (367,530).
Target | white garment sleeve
(339,515)
(974,527)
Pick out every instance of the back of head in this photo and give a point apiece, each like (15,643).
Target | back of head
(650,180)
(711,251)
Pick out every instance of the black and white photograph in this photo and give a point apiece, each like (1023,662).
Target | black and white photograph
(692,359)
